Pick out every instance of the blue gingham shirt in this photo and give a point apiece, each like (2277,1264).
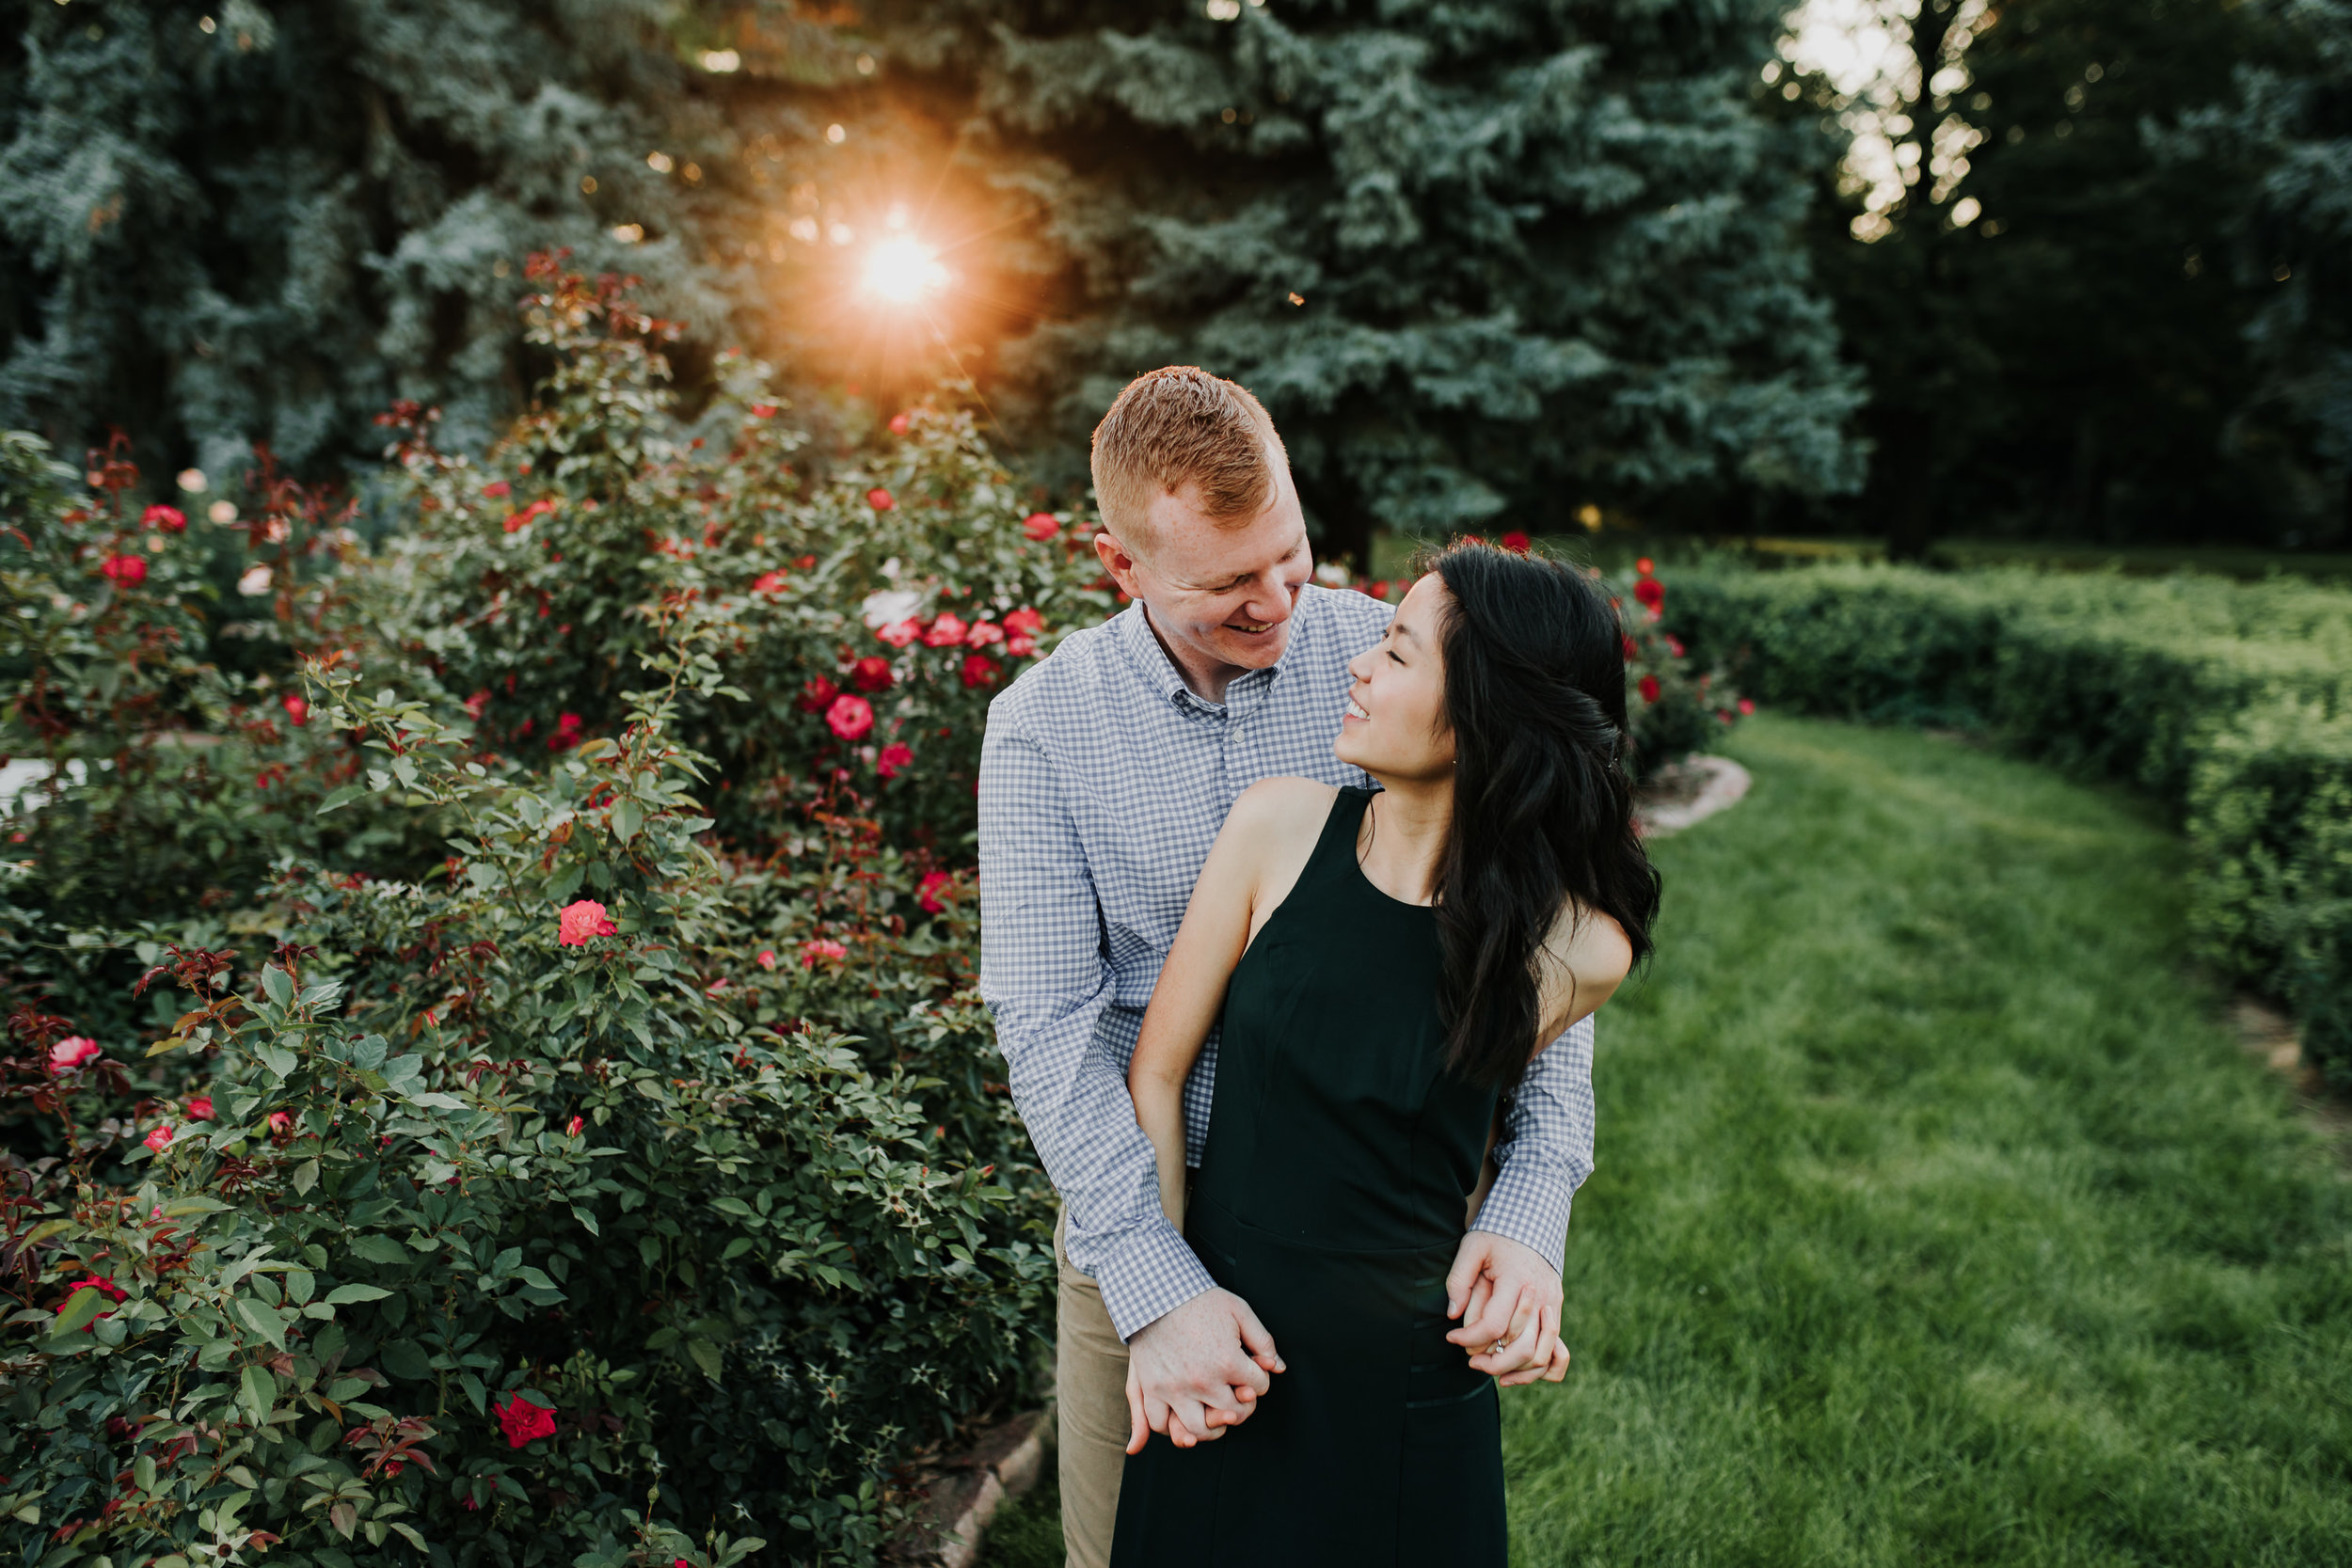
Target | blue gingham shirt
(1104,780)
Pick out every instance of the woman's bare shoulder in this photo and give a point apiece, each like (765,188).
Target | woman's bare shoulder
(1584,959)
(1276,810)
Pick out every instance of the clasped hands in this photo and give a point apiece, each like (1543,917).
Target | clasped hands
(1201,1368)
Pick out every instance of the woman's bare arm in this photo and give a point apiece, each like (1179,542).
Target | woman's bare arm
(1251,868)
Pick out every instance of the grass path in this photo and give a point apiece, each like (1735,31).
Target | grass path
(1937,1219)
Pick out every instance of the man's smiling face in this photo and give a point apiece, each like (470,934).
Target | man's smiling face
(1219,593)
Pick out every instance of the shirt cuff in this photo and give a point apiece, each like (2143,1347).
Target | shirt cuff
(1149,1275)
(1529,1204)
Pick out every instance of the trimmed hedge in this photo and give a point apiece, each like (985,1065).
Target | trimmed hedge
(2231,703)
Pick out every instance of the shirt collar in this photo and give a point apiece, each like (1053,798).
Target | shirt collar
(1151,661)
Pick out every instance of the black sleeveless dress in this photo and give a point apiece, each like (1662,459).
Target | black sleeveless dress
(1340,1158)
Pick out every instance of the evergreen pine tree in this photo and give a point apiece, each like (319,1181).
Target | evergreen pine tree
(1486,263)
(222,223)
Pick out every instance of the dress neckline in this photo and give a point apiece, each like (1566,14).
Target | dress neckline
(1356,859)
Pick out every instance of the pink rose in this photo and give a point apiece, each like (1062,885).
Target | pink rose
(819,948)
(280,1122)
(767,957)
(763,410)
(879,500)
(945,632)
(579,921)
(850,717)
(770,583)
(896,759)
(159,1139)
(170,518)
(571,1128)
(897,425)
(900,633)
(201,1108)
(71,1052)
(982,634)
(1747,706)
(498,489)
(1039,526)
(298,711)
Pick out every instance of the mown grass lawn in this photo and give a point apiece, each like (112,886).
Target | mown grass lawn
(1938,1219)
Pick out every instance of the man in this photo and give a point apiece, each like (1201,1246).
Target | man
(1104,776)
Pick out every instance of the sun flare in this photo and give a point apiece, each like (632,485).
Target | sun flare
(903,270)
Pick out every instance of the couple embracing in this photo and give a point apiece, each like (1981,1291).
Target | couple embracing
(1295,911)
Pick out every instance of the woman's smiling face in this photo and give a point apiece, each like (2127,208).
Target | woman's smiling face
(1395,725)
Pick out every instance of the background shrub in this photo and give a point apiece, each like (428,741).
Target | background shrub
(2231,703)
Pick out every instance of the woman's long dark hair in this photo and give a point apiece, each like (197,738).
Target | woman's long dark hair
(1543,812)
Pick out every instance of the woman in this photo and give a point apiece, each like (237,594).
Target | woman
(1385,966)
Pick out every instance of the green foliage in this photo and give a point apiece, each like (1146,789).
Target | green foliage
(1478,259)
(2226,701)
(614,1048)
(2070,363)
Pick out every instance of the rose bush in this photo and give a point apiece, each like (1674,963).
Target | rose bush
(575,1138)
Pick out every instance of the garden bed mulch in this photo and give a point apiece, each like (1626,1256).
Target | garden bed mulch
(967,1488)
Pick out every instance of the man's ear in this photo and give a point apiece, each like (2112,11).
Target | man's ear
(1119,564)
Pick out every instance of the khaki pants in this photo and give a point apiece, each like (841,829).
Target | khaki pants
(1090,1374)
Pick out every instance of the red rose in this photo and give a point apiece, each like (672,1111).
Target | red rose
(979,670)
(124,571)
(498,489)
(582,919)
(475,704)
(1651,593)
(900,633)
(879,498)
(1649,688)
(897,425)
(1020,647)
(567,733)
(817,695)
(1025,622)
(1515,543)
(945,632)
(896,759)
(1630,652)
(298,711)
(1746,705)
(1674,646)
(170,518)
(819,948)
(1041,526)
(767,957)
(872,673)
(763,410)
(281,1121)
(201,1108)
(770,583)
(1643,566)
(982,634)
(571,1128)
(850,717)
(159,1139)
(928,895)
(523,1421)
